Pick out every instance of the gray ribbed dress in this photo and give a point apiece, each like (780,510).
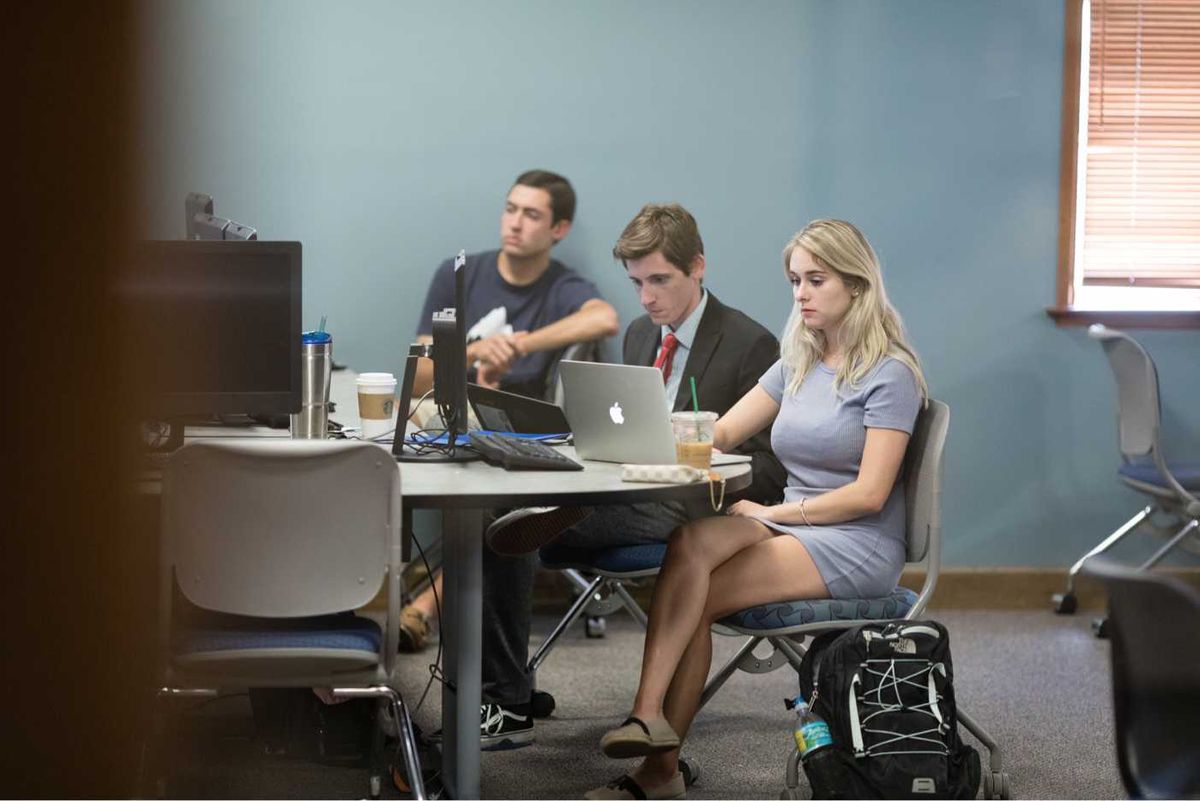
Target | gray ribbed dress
(819,438)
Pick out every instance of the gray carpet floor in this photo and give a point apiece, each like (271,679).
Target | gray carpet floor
(1038,683)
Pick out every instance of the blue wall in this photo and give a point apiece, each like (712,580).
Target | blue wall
(384,136)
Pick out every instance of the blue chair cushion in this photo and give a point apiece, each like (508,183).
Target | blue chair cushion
(1186,473)
(205,632)
(798,613)
(622,559)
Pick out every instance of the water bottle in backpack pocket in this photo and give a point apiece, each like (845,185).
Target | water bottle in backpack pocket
(886,691)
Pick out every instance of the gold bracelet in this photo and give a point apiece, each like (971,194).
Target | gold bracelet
(804,514)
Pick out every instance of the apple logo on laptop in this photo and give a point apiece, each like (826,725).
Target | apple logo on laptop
(616,414)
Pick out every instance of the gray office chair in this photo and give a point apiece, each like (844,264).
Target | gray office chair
(576,352)
(1155,631)
(610,569)
(273,544)
(1173,488)
(786,625)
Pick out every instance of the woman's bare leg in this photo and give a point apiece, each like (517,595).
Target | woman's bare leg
(776,569)
(694,551)
(426,602)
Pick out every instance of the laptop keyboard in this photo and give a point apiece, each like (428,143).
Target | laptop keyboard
(519,454)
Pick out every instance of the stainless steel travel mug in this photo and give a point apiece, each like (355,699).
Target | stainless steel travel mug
(316,361)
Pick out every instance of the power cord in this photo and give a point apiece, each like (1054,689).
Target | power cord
(435,669)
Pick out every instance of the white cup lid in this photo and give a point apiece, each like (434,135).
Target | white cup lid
(375,378)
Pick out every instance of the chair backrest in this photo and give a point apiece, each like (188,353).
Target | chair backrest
(280,528)
(1137,391)
(1155,632)
(923,480)
(576,352)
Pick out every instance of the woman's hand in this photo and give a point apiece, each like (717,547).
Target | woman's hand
(749,509)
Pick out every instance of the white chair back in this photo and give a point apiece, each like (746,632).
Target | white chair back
(281,528)
(1137,391)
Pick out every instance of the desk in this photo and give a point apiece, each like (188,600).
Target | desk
(462,491)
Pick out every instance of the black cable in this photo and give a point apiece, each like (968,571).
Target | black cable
(435,671)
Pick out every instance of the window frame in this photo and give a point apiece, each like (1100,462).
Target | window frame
(1064,312)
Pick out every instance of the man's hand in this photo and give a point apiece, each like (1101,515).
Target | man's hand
(497,352)
(488,376)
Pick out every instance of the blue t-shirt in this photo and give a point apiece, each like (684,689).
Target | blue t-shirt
(559,292)
(819,434)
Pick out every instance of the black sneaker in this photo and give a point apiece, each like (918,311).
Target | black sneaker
(504,727)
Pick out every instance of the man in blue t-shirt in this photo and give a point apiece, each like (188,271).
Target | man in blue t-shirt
(545,305)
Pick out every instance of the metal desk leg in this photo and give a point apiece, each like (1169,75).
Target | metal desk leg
(462,561)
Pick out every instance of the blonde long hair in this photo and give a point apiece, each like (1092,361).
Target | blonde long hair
(870,331)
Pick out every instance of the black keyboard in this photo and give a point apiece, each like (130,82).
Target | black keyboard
(520,454)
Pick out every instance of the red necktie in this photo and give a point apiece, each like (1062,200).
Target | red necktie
(665,355)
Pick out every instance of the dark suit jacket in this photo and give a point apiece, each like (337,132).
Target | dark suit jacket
(730,353)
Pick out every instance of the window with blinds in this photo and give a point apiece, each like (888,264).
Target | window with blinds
(1138,204)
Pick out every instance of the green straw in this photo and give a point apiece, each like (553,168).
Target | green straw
(696,409)
(321,328)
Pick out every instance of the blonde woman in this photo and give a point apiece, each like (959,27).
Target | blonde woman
(841,402)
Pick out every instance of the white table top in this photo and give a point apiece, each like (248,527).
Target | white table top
(479,485)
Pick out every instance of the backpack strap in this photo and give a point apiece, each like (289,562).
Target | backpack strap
(855,726)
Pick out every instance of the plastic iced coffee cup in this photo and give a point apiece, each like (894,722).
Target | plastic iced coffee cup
(376,403)
(694,438)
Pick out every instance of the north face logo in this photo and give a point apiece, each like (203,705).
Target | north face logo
(924,785)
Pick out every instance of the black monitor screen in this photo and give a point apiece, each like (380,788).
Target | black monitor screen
(214,327)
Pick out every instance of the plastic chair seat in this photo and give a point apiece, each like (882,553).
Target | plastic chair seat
(1186,473)
(786,614)
(218,632)
(620,561)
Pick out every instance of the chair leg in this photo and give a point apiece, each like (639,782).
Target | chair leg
(1179,537)
(572,615)
(408,744)
(378,764)
(1100,626)
(407,736)
(786,647)
(631,606)
(721,676)
(995,758)
(1105,544)
(578,579)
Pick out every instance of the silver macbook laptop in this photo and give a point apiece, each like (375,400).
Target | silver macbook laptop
(619,413)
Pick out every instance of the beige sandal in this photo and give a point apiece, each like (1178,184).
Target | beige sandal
(636,738)
(414,630)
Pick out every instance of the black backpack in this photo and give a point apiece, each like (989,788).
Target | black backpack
(887,692)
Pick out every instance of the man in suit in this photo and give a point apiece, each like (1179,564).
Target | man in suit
(686,332)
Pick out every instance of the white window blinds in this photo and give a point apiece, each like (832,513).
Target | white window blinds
(1141,163)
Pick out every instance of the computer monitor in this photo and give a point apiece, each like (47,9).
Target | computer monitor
(213,328)
(450,358)
(449,354)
